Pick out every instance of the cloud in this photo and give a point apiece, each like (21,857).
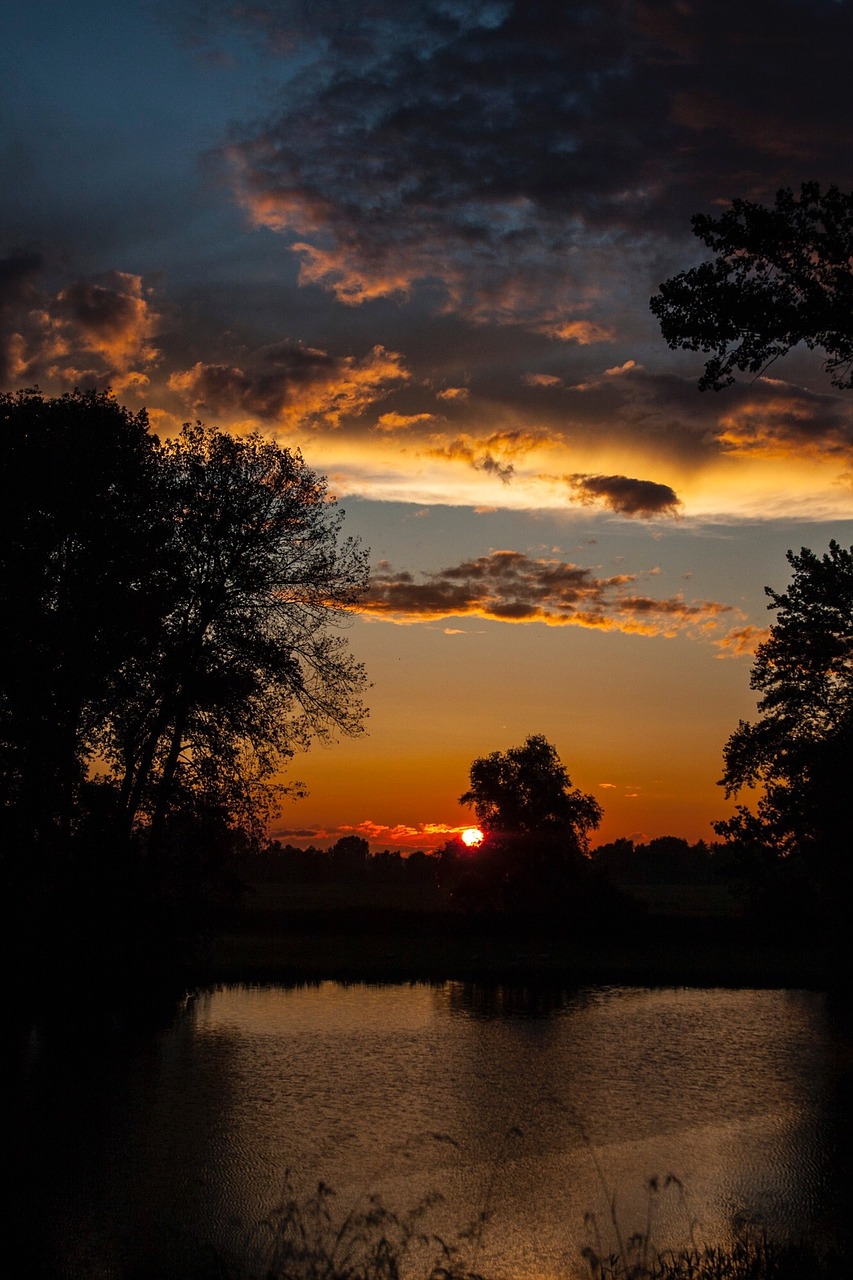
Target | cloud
(764,418)
(18,299)
(401,421)
(494,455)
(111,317)
(741,641)
(774,419)
(510,586)
(291,383)
(511,155)
(93,332)
(477,454)
(626,496)
(584,332)
(541,380)
(406,837)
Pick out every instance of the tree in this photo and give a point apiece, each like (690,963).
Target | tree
(350,856)
(80,534)
(800,751)
(169,637)
(527,791)
(782,275)
(245,665)
(536,829)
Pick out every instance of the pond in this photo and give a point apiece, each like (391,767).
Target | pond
(531,1111)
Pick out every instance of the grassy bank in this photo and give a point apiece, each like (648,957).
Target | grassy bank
(390,944)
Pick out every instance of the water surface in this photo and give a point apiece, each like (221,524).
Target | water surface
(536,1107)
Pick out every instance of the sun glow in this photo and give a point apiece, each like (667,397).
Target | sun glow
(472,836)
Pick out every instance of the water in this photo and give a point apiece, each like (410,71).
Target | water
(535,1107)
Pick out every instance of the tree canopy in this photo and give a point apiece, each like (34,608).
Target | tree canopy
(244,665)
(536,834)
(782,275)
(526,790)
(800,750)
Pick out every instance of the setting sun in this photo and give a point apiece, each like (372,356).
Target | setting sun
(472,836)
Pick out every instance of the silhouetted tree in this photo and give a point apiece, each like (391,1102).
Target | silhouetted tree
(245,665)
(800,751)
(536,829)
(527,790)
(350,855)
(81,533)
(782,276)
(168,614)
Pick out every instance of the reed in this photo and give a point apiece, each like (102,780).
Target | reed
(306,1238)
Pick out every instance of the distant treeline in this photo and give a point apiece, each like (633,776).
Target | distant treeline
(349,858)
(664,860)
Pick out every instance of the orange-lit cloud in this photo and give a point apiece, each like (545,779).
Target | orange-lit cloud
(494,454)
(774,419)
(93,332)
(291,383)
(741,641)
(353,282)
(403,836)
(112,317)
(401,421)
(583,332)
(476,454)
(509,586)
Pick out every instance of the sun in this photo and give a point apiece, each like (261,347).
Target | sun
(472,836)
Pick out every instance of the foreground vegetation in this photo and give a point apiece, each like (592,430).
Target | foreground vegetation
(304,1239)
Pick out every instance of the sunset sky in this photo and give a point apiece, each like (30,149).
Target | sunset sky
(418,241)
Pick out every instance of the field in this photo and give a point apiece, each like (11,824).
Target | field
(683,934)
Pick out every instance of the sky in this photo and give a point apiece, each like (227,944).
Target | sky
(418,241)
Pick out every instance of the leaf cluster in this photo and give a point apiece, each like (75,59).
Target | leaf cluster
(781,276)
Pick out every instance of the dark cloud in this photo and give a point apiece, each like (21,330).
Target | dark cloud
(18,294)
(93,332)
(509,586)
(625,495)
(667,411)
(111,316)
(17,273)
(514,152)
(288,381)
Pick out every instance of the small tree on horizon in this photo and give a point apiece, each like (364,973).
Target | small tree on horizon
(536,828)
(527,790)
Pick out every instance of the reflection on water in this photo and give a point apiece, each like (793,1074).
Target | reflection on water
(532,1104)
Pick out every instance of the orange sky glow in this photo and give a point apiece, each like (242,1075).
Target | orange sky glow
(291,227)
